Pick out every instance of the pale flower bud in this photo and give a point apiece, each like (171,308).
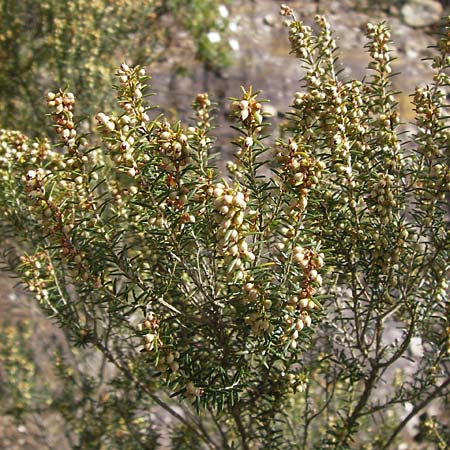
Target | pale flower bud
(248,141)
(307,320)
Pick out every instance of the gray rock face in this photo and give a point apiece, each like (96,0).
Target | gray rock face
(421,13)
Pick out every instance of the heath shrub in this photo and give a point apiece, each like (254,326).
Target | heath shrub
(272,304)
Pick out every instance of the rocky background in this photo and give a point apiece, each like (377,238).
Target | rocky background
(260,57)
(260,52)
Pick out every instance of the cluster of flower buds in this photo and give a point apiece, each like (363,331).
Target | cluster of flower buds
(132,83)
(387,121)
(382,197)
(258,319)
(379,48)
(78,266)
(308,111)
(309,261)
(109,123)
(302,172)
(286,10)
(442,294)
(426,102)
(151,328)
(119,192)
(386,257)
(35,274)
(297,206)
(325,38)
(158,221)
(297,315)
(302,98)
(337,111)
(303,302)
(167,363)
(287,233)
(301,39)
(342,159)
(249,112)
(14,146)
(235,170)
(259,323)
(432,139)
(49,213)
(429,109)
(62,104)
(202,106)
(251,293)
(299,305)
(245,144)
(357,124)
(439,181)
(121,150)
(229,205)
(172,144)
(34,184)
(297,382)
(178,196)
(295,321)
(123,129)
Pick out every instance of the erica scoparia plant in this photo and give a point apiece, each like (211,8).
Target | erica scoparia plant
(262,302)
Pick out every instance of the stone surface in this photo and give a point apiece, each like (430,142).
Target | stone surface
(422,13)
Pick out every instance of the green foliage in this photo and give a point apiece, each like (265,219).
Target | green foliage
(263,303)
